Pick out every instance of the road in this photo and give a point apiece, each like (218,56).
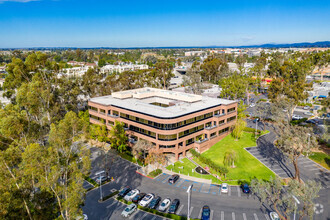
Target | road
(274,159)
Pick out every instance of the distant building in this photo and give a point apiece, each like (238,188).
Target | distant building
(75,63)
(174,122)
(121,68)
(193,53)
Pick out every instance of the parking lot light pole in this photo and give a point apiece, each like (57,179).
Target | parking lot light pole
(256,128)
(296,202)
(99,174)
(189,196)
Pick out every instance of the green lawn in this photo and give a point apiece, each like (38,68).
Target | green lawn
(321,158)
(247,167)
(186,168)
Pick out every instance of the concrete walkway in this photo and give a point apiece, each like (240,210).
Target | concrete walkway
(195,179)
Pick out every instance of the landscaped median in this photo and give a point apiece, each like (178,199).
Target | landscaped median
(246,167)
(154,211)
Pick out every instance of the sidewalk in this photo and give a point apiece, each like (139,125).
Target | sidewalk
(195,179)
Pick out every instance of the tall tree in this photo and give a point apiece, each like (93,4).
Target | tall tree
(164,70)
(293,141)
(118,137)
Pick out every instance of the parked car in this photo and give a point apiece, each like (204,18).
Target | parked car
(252,105)
(325,116)
(124,191)
(206,212)
(297,117)
(154,203)
(163,206)
(128,210)
(101,179)
(312,121)
(274,216)
(129,196)
(224,188)
(146,200)
(307,107)
(173,178)
(174,206)
(309,113)
(138,197)
(245,188)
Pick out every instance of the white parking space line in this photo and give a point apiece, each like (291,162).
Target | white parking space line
(255,216)
(145,214)
(233,215)
(229,193)
(309,165)
(267,217)
(200,213)
(137,211)
(191,208)
(238,191)
(179,210)
(154,218)
(222,215)
(211,215)
(315,168)
(244,216)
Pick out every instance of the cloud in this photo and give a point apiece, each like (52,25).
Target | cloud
(23,1)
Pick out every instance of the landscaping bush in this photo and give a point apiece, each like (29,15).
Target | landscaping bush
(262,100)
(109,196)
(155,173)
(251,130)
(90,180)
(209,162)
(297,122)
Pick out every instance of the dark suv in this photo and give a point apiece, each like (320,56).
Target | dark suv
(173,178)
(124,191)
(174,206)
(154,203)
(138,197)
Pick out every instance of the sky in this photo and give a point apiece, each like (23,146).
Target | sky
(159,23)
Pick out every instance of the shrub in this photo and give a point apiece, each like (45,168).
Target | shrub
(155,173)
(109,196)
(251,130)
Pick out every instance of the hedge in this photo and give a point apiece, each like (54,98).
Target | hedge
(251,130)
(109,196)
(155,173)
(220,169)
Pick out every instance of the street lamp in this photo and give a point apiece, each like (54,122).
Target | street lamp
(99,174)
(296,202)
(189,196)
(255,136)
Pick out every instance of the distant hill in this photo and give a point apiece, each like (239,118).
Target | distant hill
(270,45)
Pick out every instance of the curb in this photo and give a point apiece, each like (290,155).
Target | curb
(144,175)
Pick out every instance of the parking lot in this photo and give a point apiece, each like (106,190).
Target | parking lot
(199,187)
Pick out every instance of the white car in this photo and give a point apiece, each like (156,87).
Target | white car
(252,105)
(307,107)
(296,117)
(163,206)
(129,210)
(274,216)
(146,200)
(309,113)
(129,196)
(224,188)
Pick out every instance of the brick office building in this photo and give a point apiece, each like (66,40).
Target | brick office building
(173,121)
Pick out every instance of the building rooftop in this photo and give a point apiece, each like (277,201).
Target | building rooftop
(160,103)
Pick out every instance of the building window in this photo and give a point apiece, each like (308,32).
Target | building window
(221,122)
(110,122)
(102,111)
(166,146)
(223,130)
(142,131)
(170,137)
(231,110)
(115,113)
(231,118)
(189,141)
(213,134)
(93,108)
